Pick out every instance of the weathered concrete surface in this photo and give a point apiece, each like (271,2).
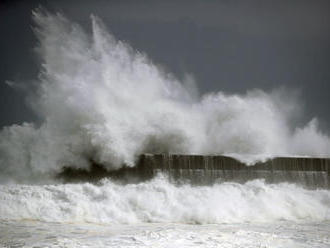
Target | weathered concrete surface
(311,172)
(197,169)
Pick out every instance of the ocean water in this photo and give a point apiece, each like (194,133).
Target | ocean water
(159,213)
(279,234)
(101,101)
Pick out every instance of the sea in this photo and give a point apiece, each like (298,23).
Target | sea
(98,100)
(160,213)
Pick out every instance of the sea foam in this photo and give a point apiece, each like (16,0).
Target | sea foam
(109,202)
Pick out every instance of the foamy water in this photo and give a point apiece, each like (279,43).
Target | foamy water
(100,100)
(160,214)
(161,201)
(276,235)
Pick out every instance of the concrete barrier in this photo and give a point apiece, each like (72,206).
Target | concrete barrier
(204,170)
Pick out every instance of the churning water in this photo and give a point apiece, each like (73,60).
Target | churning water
(102,101)
(160,214)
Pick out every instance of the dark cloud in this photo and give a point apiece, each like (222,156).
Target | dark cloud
(227,45)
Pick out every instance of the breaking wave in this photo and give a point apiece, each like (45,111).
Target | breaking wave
(100,100)
(108,202)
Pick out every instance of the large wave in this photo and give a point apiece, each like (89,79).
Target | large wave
(108,202)
(101,100)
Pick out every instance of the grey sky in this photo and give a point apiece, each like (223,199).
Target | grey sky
(227,45)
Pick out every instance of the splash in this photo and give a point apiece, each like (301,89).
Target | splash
(100,100)
(112,203)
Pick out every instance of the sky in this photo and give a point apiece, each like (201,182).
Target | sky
(226,45)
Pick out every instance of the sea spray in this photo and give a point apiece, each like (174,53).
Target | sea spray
(100,100)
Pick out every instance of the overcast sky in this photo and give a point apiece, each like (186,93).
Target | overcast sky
(228,45)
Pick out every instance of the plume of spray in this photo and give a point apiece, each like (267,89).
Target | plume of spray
(101,100)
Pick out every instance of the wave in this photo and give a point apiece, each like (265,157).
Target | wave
(102,101)
(109,202)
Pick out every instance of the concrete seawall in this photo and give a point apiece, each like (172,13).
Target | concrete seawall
(202,170)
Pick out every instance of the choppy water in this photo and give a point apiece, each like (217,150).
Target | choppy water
(161,214)
(279,234)
(100,100)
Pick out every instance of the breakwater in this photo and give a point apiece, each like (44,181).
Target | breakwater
(202,170)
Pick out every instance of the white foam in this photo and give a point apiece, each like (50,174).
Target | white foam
(161,201)
(100,99)
(270,235)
